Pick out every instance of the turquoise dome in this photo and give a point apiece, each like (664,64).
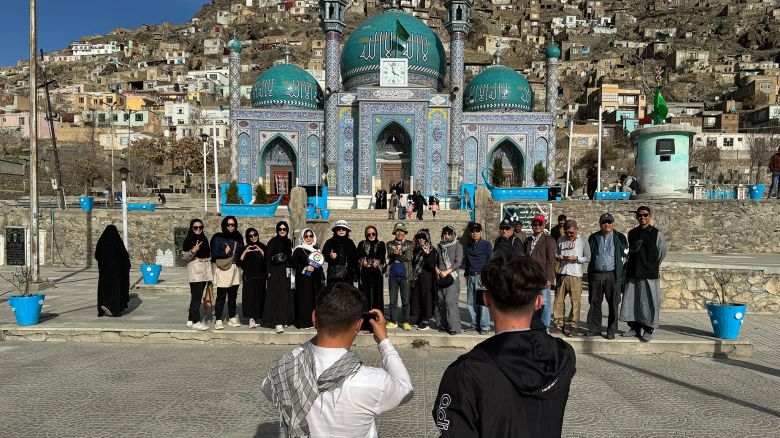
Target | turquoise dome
(234,46)
(376,38)
(498,88)
(553,51)
(286,86)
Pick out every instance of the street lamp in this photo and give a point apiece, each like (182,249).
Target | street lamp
(123,174)
(205,138)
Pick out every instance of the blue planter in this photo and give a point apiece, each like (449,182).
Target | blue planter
(612,196)
(756,191)
(726,319)
(86,202)
(141,206)
(244,192)
(151,273)
(27,310)
(325,214)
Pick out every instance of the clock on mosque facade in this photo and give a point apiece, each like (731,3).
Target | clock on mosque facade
(393,72)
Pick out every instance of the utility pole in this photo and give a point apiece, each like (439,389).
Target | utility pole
(568,160)
(216,174)
(598,172)
(49,115)
(33,262)
(111,143)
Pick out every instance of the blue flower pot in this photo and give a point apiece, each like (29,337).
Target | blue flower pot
(325,214)
(86,202)
(151,273)
(756,191)
(27,310)
(726,318)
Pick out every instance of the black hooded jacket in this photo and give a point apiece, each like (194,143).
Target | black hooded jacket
(514,384)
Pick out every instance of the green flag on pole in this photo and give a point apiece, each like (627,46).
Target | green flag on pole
(660,110)
(401,33)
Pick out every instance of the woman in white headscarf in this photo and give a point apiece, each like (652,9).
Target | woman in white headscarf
(309,279)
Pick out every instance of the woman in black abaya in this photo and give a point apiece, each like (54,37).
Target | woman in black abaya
(371,259)
(114,273)
(340,253)
(252,262)
(309,278)
(278,311)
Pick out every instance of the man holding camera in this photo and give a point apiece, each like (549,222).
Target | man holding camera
(516,383)
(322,387)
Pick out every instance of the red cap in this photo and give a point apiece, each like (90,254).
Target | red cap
(539,217)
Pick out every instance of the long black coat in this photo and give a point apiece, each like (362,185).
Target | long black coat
(113,272)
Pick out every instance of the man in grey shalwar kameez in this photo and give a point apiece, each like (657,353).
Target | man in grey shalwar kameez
(642,294)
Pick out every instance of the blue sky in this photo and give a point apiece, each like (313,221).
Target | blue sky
(62,21)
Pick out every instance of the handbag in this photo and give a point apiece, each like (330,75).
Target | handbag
(226,263)
(208,297)
(279,258)
(446,281)
(337,272)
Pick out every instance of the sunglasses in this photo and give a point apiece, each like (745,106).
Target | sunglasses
(506,228)
(476,231)
(197,227)
(309,236)
(537,224)
(281,229)
(252,235)
(446,233)
(370,234)
(643,215)
(606,223)
(341,229)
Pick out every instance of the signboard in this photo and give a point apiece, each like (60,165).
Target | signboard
(15,246)
(179,233)
(524,212)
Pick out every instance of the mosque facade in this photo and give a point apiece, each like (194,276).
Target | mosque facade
(385,117)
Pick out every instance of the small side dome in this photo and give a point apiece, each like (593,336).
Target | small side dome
(553,51)
(498,88)
(286,86)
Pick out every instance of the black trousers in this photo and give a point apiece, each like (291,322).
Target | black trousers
(601,285)
(225,292)
(196,295)
(371,282)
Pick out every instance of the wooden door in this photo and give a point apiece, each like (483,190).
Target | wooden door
(391,174)
(282,179)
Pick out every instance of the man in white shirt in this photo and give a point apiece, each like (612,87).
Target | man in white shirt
(573,252)
(322,388)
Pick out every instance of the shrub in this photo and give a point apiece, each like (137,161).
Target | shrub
(261,197)
(497,173)
(540,174)
(232,194)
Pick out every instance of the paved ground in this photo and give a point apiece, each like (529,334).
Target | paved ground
(99,390)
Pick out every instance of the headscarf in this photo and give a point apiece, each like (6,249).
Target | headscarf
(310,248)
(189,242)
(110,246)
(445,244)
(370,245)
(280,243)
(234,235)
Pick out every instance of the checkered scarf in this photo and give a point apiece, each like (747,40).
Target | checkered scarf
(295,385)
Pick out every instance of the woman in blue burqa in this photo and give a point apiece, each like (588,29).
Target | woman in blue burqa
(114,273)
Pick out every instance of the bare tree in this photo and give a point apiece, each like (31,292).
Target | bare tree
(707,155)
(759,150)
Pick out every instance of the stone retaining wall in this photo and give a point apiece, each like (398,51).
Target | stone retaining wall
(690,288)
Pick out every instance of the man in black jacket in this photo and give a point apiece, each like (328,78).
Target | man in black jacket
(507,243)
(516,383)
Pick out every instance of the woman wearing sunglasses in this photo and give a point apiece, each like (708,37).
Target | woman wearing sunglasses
(196,252)
(227,277)
(309,279)
(371,261)
(341,254)
(278,310)
(252,262)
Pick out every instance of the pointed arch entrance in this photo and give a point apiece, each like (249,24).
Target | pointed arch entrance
(279,165)
(512,162)
(394,157)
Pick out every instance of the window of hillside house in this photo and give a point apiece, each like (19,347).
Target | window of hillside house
(728,142)
(139,117)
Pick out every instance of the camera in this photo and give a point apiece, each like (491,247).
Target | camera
(367,316)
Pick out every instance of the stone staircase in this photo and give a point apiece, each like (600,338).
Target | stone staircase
(358,220)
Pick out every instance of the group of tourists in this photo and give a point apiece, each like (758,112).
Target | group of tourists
(405,206)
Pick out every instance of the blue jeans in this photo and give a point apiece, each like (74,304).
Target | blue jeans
(774,189)
(394,284)
(481,320)
(547,307)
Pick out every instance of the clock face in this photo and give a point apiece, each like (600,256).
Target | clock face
(393,72)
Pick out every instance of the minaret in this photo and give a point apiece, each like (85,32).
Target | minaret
(235,48)
(332,22)
(553,54)
(458,27)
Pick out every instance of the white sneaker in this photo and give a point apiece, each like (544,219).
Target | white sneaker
(189,324)
(200,326)
(279,329)
(234,322)
(252,323)
(218,325)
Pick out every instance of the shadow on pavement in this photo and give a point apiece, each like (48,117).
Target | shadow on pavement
(691,387)
(749,365)
(268,430)
(688,331)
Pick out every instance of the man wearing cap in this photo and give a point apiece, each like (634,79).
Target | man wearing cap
(573,252)
(399,262)
(507,244)
(557,231)
(642,295)
(542,248)
(478,252)
(609,251)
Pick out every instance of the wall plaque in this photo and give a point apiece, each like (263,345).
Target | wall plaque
(179,233)
(15,246)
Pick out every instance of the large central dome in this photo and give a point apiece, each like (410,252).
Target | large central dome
(377,38)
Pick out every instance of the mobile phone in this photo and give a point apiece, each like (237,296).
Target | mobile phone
(367,316)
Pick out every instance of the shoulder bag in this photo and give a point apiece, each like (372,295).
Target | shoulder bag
(226,263)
